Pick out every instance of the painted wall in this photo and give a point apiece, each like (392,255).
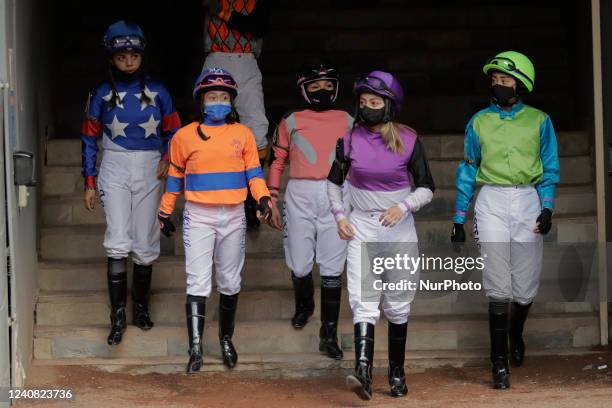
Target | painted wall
(5,372)
(23,44)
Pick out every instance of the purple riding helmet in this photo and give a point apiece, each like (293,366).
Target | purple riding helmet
(382,84)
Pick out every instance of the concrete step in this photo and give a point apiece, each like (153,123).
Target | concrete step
(565,276)
(579,199)
(67,152)
(431,232)
(450,146)
(291,365)
(69,210)
(567,284)
(566,229)
(66,180)
(85,242)
(575,169)
(299,365)
(80,307)
(260,272)
(167,307)
(425,333)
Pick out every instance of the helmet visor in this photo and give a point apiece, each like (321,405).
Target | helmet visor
(316,74)
(320,72)
(218,80)
(508,65)
(126,42)
(373,83)
(307,82)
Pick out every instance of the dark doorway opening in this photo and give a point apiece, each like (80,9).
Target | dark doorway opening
(436,49)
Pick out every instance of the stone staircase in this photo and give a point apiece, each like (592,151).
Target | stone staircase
(72,308)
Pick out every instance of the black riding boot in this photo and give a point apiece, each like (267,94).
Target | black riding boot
(498,330)
(331,291)
(195,309)
(518,316)
(361,382)
(141,285)
(227,315)
(397,353)
(303,289)
(117,290)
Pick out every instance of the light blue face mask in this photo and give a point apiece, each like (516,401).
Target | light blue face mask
(215,113)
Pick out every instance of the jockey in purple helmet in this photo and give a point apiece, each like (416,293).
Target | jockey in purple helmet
(384,166)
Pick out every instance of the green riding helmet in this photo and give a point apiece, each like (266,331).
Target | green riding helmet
(515,64)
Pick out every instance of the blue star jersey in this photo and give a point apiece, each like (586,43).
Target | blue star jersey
(130,123)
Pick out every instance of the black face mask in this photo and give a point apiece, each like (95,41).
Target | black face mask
(321,99)
(371,117)
(503,95)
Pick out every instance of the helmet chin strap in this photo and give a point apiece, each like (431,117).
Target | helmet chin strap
(305,95)
(202,134)
(389,111)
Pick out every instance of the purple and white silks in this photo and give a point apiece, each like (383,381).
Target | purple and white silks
(378,178)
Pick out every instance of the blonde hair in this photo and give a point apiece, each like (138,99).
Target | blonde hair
(390,133)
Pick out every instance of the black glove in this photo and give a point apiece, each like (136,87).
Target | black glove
(544,221)
(166,226)
(458,237)
(265,208)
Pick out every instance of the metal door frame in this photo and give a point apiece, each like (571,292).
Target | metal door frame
(5,308)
